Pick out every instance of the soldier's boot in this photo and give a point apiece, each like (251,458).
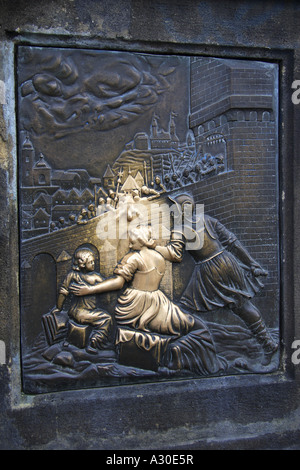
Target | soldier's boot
(263,337)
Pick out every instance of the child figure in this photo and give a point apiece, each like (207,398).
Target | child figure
(84,309)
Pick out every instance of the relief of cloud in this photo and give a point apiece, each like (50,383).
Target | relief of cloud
(63,94)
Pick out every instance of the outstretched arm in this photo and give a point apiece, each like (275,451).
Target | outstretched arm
(232,244)
(240,251)
(115,283)
(174,250)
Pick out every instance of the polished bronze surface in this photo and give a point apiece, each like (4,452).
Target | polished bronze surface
(147,186)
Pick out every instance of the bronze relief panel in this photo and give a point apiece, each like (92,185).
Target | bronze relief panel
(149,231)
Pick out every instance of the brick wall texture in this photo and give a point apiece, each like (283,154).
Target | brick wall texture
(238,100)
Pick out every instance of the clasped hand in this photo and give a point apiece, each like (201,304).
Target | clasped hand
(79,289)
(257,270)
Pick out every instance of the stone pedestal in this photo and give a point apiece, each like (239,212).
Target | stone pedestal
(243,74)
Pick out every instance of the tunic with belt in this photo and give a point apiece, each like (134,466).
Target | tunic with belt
(219,278)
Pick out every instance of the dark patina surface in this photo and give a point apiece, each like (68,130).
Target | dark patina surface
(186,100)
